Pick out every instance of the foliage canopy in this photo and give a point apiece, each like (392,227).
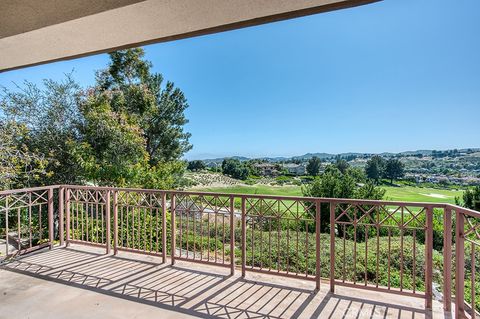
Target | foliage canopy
(128,129)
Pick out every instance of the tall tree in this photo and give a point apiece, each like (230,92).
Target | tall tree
(342,165)
(132,132)
(313,166)
(375,168)
(111,149)
(158,110)
(128,129)
(19,167)
(394,169)
(48,115)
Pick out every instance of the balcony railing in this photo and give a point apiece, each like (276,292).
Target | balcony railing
(406,248)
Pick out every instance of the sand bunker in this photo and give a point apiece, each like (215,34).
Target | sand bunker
(435,195)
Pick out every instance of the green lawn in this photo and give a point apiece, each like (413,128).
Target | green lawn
(258,190)
(403,193)
(419,194)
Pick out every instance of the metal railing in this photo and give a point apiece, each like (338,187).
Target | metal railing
(26,221)
(377,245)
(467,240)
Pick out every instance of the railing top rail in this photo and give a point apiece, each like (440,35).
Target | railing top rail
(466,211)
(463,210)
(272,197)
(26,190)
(320,199)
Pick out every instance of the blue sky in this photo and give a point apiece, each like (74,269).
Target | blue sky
(391,76)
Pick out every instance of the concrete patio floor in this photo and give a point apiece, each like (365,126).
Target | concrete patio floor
(83,282)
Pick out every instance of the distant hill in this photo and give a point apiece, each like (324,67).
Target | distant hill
(310,155)
(422,152)
(220,159)
(325,156)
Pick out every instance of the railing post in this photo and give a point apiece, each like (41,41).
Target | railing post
(332,247)
(50,217)
(115,222)
(61,215)
(164,227)
(459,265)
(317,245)
(447,259)
(173,227)
(67,218)
(6,225)
(108,221)
(244,237)
(429,258)
(232,236)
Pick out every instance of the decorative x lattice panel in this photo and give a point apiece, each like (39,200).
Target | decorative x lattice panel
(88,196)
(472,229)
(277,208)
(381,215)
(23,199)
(140,199)
(202,203)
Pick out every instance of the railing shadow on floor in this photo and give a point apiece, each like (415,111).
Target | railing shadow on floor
(341,306)
(195,292)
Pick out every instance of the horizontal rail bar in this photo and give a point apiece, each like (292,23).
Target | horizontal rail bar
(139,251)
(282,274)
(464,210)
(27,190)
(273,197)
(200,261)
(25,251)
(87,243)
(382,289)
(321,199)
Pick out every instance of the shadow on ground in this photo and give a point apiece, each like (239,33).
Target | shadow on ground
(197,291)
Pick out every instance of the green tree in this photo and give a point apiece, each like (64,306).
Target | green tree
(126,130)
(48,117)
(358,174)
(156,109)
(132,128)
(375,168)
(196,165)
(394,169)
(19,167)
(342,165)
(111,149)
(235,168)
(313,166)
(335,184)
(471,198)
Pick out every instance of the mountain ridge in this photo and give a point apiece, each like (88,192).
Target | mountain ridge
(325,156)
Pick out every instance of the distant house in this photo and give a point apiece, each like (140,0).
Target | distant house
(295,169)
(266,169)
